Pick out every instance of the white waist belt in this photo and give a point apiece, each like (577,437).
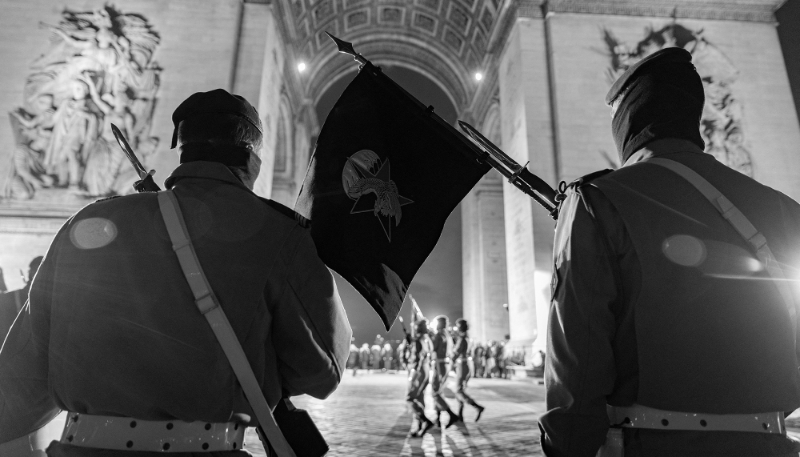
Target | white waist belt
(638,416)
(125,433)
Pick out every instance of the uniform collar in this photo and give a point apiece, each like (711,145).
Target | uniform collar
(203,170)
(660,148)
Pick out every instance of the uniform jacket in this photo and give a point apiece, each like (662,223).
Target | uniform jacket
(421,350)
(638,318)
(461,347)
(112,328)
(440,345)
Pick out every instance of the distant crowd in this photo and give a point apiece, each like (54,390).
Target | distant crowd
(487,360)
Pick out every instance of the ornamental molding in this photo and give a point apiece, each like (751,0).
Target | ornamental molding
(719,11)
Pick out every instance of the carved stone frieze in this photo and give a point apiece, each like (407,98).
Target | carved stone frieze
(97,70)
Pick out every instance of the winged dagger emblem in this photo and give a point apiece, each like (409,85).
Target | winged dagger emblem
(365,174)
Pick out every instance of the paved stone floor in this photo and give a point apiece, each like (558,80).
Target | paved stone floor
(367,416)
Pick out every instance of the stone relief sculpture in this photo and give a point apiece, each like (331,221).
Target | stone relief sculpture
(98,70)
(721,124)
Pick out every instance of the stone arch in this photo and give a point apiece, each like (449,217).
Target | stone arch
(491,124)
(284,186)
(284,138)
(411,54)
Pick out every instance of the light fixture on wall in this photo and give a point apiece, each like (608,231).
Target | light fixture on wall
(301,67)
(478,76)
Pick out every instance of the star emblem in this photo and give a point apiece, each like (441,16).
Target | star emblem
(387,201)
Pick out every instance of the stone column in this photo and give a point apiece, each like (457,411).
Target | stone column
(293,151)
(527,137)
(484,260)
(268,102)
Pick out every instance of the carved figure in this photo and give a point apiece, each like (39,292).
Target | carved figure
(74,132)
(721,125)
(98,69)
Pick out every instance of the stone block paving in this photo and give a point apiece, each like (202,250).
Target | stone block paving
(367,416)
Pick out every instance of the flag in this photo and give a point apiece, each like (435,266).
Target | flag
(385,175)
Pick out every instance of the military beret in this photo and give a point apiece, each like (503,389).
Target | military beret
(656,59)
(218,101)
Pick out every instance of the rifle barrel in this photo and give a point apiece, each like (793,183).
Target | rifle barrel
(516,174)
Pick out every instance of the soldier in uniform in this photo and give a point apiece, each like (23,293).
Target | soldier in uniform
(386,354)
(363,357)
(112,334)
(671,322)
(419,356)
(352,358)
(375,353)
(440,369)
(477,359)
(460,356)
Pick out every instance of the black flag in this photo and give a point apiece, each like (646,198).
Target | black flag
(385,175)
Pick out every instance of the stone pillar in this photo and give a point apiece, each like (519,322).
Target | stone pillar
(484,260)
(527,137)
(292,152)
(269,97)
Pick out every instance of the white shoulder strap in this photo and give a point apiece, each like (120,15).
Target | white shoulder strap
(741,224)
(208,305)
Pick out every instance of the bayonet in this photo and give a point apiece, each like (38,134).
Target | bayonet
(145,182)
(516,174)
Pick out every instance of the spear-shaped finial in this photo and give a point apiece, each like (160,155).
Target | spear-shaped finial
(347,48)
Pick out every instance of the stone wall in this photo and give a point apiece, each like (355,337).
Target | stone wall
(196,53)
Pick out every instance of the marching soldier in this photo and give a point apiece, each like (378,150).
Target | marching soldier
(440,370)
(461,358)
(420,352)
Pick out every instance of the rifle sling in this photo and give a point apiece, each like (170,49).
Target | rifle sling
(208,305)
(743,227)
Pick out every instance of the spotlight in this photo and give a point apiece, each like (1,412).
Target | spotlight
(478,76)
(301,67)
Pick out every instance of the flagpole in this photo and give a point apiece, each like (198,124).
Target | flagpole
(483,149)
(345,47)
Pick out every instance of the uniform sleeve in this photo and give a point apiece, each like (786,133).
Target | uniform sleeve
(25,401)
(311,333)
(580,372)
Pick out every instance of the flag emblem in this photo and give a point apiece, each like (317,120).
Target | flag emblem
(367,180)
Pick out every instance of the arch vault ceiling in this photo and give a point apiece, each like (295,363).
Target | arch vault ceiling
(445,40)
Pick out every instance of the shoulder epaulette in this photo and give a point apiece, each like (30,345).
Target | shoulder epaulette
(286,211)
(107,198)
(589,178)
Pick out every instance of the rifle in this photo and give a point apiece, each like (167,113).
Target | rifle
(145,182)
(516,174)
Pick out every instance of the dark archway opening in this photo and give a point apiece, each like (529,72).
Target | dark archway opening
(437,286)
